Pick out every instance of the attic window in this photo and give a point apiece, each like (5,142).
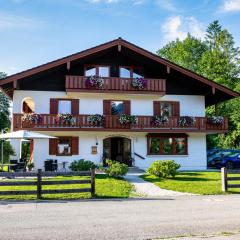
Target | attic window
(130,72)
(94,70)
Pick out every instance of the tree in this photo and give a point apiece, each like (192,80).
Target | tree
(4,108)
(216,58)
(186,53)
(5,122)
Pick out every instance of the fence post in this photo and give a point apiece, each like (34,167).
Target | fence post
(39,184)
(93,182)
(224,179)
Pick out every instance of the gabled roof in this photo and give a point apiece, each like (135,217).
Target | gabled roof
(107,45)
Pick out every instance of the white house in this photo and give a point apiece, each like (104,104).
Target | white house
(147,108)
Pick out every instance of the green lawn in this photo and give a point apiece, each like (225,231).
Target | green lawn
(105,188)
(192,182)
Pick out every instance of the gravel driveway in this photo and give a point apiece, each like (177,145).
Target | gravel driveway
(120,219)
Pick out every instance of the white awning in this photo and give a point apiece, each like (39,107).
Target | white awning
(23,134)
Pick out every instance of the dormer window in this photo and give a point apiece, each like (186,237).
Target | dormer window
(130,72)
(96,70)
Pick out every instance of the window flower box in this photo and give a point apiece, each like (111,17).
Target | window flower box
(139,83)
(159,121)
(96,120)
(30,119)
(65,119)
(186,121)
(94,82)
(127,119)
(216,120)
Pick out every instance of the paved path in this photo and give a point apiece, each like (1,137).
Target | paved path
(137,219)
(148,189)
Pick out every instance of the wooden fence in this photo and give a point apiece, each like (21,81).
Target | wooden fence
(39,181)
(226,179)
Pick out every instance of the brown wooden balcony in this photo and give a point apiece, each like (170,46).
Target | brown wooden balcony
(115,85)
(48,122)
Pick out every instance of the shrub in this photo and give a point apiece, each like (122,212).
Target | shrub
(116,169)
(164,169)
(81,165)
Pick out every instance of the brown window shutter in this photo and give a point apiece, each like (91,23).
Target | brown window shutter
(53,146)
(75,106)
(75,145)
(127,107)
(106,107)
(53,106)
(176,109)
(156,108)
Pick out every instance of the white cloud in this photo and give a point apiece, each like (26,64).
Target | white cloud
(230,6)
(179,27)
(12,21)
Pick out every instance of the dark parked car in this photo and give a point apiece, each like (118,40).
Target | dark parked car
(219,155)
(230,161)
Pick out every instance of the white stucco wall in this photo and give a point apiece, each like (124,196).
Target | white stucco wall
(190,105)
(195,160)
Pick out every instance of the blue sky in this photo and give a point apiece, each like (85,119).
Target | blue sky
(33,32)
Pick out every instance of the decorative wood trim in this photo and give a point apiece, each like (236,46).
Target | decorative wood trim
(53,146)
(53,106)
(68,65)
(119,47)
(168,69)
(75,106)
(75,145)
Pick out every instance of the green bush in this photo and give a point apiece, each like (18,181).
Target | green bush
(81,165)
(116,169)
(163,168)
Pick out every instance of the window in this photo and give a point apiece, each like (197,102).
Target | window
(166,109)
(90,71)
(131,72)
(64,146)
(117,107)
(167,144)
(102,71)
(125,72)
(64,106)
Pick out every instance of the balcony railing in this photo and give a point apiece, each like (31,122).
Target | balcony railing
(116,85)
(50,122)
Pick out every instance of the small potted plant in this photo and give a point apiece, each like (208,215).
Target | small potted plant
(158,121)
(96,120)
(186,121)
(94,82)
(139,83)
(215,120)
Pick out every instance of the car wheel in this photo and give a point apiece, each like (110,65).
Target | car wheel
(229,165)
